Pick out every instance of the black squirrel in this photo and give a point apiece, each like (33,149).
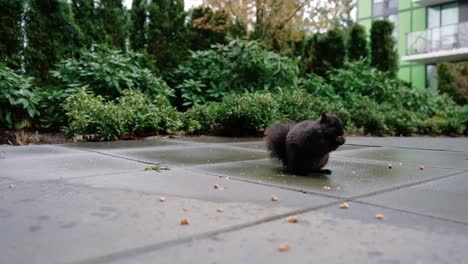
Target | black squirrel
(304,147)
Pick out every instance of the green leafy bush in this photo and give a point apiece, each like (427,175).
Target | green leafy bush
(19,105)
(357,43)
(239,66)
(132,114)
(108,73)
(453,80)
(52,115)
(358,78)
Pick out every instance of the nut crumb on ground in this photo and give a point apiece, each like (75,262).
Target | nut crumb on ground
(284,247)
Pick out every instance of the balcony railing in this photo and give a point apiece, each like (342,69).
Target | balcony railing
(437,39)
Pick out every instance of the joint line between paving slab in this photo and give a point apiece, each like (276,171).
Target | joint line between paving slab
(129,253)
(406,185)
(411,212)
(112,155)
(442,150)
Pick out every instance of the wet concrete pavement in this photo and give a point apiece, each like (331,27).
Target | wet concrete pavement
(95,203)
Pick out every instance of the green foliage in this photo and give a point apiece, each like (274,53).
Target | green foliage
(357,43)
(383,47)
(114,20)
(246,114)
(50,106)
(132,114)
(87,18)
(109,72)
(19,105)
(166,33)
(51,34)
(207,27)
(359,78)
(452,79)
(329,52)
(236,67)
(138,18)
(10,32)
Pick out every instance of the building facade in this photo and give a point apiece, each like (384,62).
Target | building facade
(427,32)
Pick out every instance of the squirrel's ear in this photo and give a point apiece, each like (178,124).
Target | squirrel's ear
(323,117)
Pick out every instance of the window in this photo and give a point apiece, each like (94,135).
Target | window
(385,7)
(442,15)
(431,76)
(442,21)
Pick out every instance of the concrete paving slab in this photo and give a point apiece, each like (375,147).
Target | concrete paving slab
(330,235)
(57,222)
(190,156)
(9,152)
(435,143)
(443,159)
(150,142)
(33,167)
(349,178)
(445,198)
(188,184)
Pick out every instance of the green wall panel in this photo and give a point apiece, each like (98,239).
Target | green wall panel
(419,19)
(404,4)
(418,76)
(404,26)
(367,23)
(364,8)
(404,74)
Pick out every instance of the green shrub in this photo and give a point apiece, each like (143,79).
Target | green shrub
(108,73)
(19,105)
(357,43)
(329,52)
(247,114)
(451,120)
(358,78)
(383,47)
(52,115)
(453,79)
(239,66)
(132,114)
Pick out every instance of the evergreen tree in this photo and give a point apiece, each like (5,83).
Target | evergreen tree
(11,37)
(207,27)
(113,15)
(51,35)
(384,56)
(89,22)
(138,18)
(357,43)
(330,52)
(166,33)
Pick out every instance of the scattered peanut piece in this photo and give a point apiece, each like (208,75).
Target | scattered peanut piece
(162,199)
(326,188)
(379,216)
(344,205)
(185,209)
(274,198)
(421,167)
(293,219)
(184,221)
(61,178)
(220,210)
(12,186)
(390,166)
(216,186)
(284,247)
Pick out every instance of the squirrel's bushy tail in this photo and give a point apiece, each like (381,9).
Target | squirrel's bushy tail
(275,137)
